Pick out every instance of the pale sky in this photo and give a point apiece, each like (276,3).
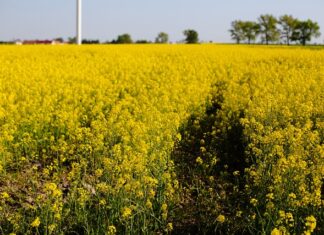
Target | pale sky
(143,19)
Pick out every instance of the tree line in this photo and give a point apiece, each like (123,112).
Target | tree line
(191,36)
(270,29)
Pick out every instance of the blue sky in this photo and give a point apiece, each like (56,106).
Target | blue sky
(143,19)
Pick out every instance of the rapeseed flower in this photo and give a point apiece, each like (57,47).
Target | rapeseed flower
(36,223)
(276,231)
(220,218)
(111,230)
(126,212)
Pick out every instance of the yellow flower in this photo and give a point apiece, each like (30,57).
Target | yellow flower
(36,223)
(221,218)
(254,201)
(51,228)
(211,178)
(151,193)
(282,214)
(139,194)
(270,205)
(164,215)
(103,187)
(99,173)
(23,159)
(199,160)
(169,227)
(57,216)
(310,223)
(164,207)
(46,172)
(270,196)
(292,195)
(5,195)
(102,202)
(127,212)
(111,230)
(290,217)
(149,204)
(276,231)
(239,213)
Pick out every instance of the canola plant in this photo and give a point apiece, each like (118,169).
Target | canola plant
(151,139)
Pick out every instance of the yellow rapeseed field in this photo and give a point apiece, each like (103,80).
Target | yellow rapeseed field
(147,139)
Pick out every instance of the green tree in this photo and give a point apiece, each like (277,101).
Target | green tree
(90,41)
(288,26)
(71,40)
(237,31)
(305,30)
(124,39)
(162,38)
(142,41)
(191,36)
(268,28)
(250,30)
(59,39)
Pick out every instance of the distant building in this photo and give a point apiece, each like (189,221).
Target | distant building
(41,42)
(58,42)
(34,42)
(18,42)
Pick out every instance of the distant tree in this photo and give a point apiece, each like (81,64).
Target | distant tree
(288,26)
(162,38)
(6,42)
(250,30)
(305,30)
(142,41)
(90,41)
(72,40)
(60,40)
(191,36)
(237,31)
(268,28)
(123,39)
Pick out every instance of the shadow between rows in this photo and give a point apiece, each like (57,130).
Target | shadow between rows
(209,161)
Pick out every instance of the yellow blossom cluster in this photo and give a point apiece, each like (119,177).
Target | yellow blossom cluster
(89,133)
(264,126)
(88,137)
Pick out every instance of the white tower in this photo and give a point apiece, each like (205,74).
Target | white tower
(79,22)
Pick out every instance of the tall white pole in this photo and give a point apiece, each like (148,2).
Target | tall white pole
(79,22)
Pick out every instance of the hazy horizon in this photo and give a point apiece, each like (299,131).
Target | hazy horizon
(144,19)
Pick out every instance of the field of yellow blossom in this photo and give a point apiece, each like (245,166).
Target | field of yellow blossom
(161,139)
